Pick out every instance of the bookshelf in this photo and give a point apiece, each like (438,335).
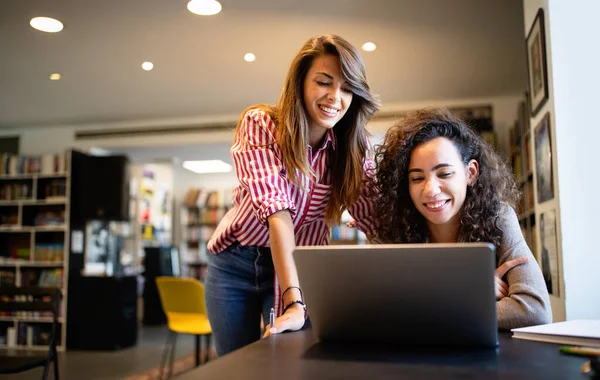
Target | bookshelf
(521,156)
(343,235)
(201,213)
(34,243)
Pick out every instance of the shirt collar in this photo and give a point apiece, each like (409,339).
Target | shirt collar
(329,139)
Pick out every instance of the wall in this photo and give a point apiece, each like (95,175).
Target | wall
(504,110)
(573,29)
(53,138)
(573,81)
(49,139)
(530,9)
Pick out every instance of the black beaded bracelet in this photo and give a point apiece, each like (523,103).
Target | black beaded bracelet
(293,303)
(292,287)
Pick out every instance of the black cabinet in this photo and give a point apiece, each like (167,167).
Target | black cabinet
(99,188)
(102,313)
(158,261)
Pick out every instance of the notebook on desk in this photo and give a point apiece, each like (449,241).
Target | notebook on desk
(408,294)
(582,332)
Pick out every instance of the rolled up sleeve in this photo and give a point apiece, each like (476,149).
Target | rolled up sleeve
(258,164)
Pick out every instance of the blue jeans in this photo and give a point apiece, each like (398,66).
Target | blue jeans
(238,289)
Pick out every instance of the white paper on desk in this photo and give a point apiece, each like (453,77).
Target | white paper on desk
(584,328)
(583,332)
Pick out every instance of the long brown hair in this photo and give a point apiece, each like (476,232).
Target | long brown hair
(292,122)
(494,189)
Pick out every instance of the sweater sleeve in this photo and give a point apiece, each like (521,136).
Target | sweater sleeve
(527,303)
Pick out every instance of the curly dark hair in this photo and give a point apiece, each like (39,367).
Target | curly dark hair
(495,187)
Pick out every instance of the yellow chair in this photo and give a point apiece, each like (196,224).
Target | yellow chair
(183,302)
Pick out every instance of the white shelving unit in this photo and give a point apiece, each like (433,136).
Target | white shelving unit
(27,226)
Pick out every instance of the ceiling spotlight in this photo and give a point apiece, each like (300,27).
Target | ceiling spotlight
(55,76)
(204,7)
(209,166)
(46,24)
(369,46)
(147,66)
(249,57)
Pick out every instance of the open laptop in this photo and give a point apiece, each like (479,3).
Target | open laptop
(407,294)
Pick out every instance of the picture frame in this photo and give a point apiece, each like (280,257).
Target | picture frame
(549,252)
(537,69)
(543,160)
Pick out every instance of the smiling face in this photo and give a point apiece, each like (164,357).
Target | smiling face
(437,183)
(326,95)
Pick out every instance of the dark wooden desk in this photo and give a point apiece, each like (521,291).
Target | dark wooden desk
(297,355)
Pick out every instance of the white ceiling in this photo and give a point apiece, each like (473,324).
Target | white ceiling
(427,49)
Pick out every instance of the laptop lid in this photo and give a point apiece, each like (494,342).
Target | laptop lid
(423,294)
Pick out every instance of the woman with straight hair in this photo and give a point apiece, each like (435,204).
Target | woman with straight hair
(300,164)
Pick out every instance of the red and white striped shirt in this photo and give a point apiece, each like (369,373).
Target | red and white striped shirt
(265,189)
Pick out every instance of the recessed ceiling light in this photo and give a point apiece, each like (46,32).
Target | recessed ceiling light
(55,76)
(369,46)
(147,66)
(208,166)
(46,24)
(204,7)
(249,57)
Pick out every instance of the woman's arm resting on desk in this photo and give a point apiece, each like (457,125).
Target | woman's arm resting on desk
(527,303)
(500,285)
(281,233)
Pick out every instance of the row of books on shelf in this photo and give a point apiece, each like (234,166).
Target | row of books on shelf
(15,191)
(198,216)
(42,218)
(50,218)
(46,278)
(343,232)
(11,164)
(49,252)
(526,203)
(198,197)
(199,234)
(15,253)
(26,334)
(9,219)
(57,188)
(530,235)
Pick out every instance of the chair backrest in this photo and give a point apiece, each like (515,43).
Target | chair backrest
(34,299)
(181,295)
(30,299)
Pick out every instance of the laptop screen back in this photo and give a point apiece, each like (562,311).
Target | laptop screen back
(425,294)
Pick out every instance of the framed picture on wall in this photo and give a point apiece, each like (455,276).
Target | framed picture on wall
(543,160)
(536,64)
(549,251)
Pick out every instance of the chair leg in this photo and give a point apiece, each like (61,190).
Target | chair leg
(207,355)
(197,345)
(55,364)
(165,355)
(172,359)
(46,370)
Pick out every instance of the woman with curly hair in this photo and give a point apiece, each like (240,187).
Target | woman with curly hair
(439,182)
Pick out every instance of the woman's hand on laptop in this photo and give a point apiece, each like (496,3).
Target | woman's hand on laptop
(501,286)
(292,320)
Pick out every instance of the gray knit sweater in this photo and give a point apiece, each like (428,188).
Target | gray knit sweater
(527,303)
